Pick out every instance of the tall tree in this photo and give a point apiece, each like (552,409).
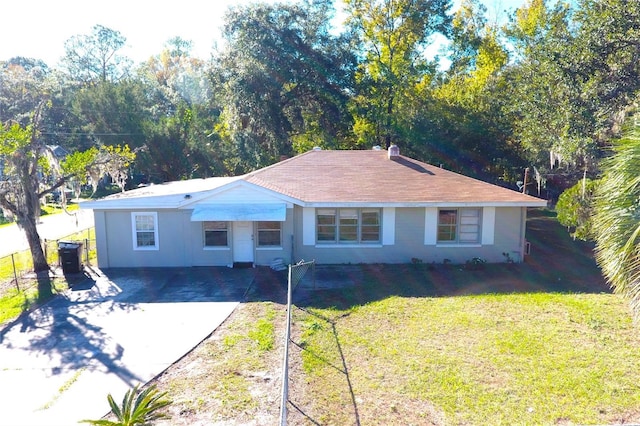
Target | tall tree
(394,34)
(285,80)
(23,83)
(31,171)
(94,57)
(180,140)
(575,72)
(473,135)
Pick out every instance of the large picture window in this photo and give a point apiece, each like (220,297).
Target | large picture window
(269,234)
(459,226)
(145,230)
(348,226)
(216,234)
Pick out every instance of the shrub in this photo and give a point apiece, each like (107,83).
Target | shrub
(574,209)
(138,408)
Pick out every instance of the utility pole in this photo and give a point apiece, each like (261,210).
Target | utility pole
(526,177)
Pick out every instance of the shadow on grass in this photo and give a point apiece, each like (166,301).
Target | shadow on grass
(557,264)
(342,369)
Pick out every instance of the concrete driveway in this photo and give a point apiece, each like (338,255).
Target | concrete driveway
(117,329)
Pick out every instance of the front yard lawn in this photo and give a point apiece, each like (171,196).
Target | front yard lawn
(544,342)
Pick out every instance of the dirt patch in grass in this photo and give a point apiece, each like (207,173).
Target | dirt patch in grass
(233,377)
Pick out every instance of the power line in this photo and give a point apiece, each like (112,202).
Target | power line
(89,134)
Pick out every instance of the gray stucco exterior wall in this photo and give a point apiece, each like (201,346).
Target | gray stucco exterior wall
(409,242)
(181,242)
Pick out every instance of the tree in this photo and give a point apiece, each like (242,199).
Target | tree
(178,133)
(394,34)
(616,221)
(472,135)
(575,208)
(31,172)
(94,57)
(285,80)
(574,74)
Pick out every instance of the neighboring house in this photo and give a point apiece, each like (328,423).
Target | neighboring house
(332,206)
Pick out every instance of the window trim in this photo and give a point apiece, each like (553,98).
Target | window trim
(458,223)
(204,235)
(258,230)
(134,231)
(337,225)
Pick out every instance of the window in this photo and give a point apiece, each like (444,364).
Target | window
(269,234)
(215,234)
(459,226)
(348,226)
(326,225)
(145,231)
(370,232)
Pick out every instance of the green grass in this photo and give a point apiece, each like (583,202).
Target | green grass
(14,302)
(486,359)
(544,342)
(16,299)
(49,209)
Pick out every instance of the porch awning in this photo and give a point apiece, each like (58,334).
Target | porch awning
(240,212)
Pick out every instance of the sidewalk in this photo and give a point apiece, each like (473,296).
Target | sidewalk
(60,361)
(51,227)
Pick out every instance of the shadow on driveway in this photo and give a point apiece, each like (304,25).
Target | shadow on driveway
(118,328)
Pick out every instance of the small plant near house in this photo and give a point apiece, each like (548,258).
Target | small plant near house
(475,263)
(507,257)
(138,408)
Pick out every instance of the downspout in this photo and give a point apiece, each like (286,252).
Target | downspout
(523,228)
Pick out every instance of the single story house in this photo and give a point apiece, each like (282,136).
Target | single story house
(336,207)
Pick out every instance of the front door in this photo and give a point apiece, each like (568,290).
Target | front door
(242,241)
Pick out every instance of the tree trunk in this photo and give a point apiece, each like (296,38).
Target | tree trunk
(28,224)
(389,122)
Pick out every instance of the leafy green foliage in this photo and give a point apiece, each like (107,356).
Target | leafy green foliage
(616,221)
(137,408)
(94,57)
(575,208)
(284,80)
(393,34)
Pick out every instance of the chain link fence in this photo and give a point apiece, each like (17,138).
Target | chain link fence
(297,273)
(16,269)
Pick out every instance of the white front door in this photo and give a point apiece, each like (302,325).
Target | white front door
(242,241)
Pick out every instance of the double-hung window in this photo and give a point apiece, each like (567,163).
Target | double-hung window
(459,226)
(145,230)
(348,226)
(269,234)
(216,234)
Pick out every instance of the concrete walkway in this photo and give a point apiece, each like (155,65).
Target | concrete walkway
(59,362)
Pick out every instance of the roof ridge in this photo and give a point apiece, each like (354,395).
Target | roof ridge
(262,169)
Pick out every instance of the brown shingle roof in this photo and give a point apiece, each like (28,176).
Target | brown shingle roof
(371,177)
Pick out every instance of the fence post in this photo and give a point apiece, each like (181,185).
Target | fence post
(86,250)
(15,275)
(284,398)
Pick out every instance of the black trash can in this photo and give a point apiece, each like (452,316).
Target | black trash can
(70,255)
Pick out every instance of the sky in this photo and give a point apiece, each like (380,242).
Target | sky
(39,28)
